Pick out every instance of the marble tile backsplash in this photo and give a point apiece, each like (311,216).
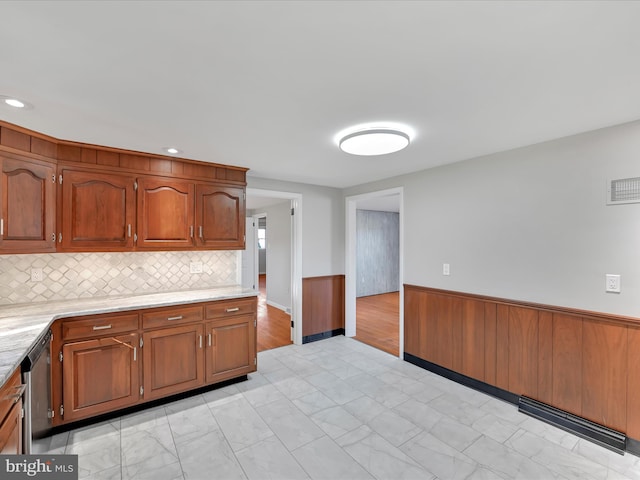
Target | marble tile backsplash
(78,275)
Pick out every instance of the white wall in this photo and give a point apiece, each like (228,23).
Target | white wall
(322,225)
(278,254)
(528,224)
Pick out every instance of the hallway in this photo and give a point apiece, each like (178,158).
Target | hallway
(274,325)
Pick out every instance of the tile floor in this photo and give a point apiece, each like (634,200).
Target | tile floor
(337,409)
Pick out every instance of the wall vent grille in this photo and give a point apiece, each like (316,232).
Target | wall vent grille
(623,190)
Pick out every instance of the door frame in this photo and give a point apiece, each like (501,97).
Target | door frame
(351,203)
(296,255)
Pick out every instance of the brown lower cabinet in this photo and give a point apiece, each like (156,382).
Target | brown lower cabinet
(99,375)
(11,416)
(173,360)
(113,361)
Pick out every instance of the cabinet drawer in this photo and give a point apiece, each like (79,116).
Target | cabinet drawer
(168,317)
(98,325)
(224,308)
(10,394)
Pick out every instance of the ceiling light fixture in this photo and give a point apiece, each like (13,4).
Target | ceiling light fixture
(172,150)
(378,138)
(15,102)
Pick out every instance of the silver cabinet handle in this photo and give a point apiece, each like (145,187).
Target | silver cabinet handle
(129,230)
(234,309)
(179,317)
(135,354)
(101,327)
(209,339)
(191,231)
(1,227)
(201,237)
(200,341)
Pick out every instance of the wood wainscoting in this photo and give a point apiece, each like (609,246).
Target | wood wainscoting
(322,307)
(582,362)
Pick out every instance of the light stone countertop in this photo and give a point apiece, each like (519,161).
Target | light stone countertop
(21,325)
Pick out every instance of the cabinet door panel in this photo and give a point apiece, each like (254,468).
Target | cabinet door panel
(173,360)
(97,211)
(165,213)
(220,212)
(11,432)
(231,348)
(99,376)
(28,206)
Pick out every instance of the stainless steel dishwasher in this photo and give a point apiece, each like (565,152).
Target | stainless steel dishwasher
(36,375)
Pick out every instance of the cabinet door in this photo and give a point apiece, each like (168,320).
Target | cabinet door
(173,360)
(165,213)
(27,200)
(220,213)
(231,348)
(99,376)
(96,211)
(11,431)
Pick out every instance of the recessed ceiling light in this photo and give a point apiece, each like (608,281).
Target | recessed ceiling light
(374,139)
(172,150)
(15,102)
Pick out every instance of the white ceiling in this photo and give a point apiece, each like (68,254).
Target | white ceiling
(267,85)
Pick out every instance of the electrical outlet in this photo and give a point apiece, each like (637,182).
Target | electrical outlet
(613,283)
(445,269)
(195,267)
(36,275)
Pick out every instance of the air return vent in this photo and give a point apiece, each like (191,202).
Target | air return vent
(623,190)
(603,436)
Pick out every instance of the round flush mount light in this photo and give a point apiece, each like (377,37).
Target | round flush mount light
(369,140)
(15,102)
(172,150)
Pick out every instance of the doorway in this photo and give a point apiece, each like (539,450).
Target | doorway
(377,308)
(280,297)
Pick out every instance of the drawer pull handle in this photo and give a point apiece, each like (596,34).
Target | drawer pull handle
(16,396)
(234,309)
(178,317)
(101,327)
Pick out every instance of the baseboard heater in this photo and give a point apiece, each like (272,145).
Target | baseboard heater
(606,437)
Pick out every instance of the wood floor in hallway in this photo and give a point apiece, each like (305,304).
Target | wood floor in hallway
(377,321)
(274,325)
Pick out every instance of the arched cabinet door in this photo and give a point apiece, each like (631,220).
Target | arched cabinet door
(220,214)
(165,213)
(27,206)
(97,211)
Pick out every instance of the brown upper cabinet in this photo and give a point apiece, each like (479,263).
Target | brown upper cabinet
(27,205)
(64,196)
(165,213)
(96,211)
(220,213)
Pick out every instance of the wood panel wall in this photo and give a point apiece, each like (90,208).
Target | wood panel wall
(23,141)
(322,305)
(586,363)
